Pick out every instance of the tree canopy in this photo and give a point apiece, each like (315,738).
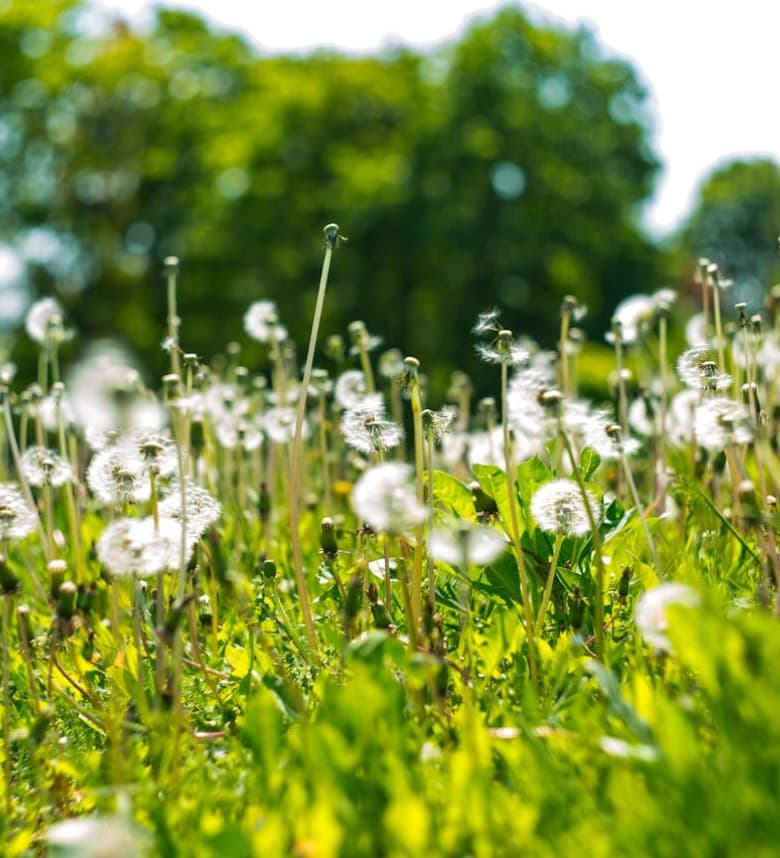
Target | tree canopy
(507,167)
(735,222)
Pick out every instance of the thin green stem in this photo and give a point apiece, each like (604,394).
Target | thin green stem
(548,586)
(295,477)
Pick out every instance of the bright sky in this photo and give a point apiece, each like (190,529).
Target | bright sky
(710,66)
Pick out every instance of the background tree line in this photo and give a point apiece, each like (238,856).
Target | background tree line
(507,168)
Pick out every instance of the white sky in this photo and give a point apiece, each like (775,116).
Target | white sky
(711,67)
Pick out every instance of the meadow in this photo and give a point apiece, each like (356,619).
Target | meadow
(296,608)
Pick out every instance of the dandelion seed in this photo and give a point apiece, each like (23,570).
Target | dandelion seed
(487,322)
(366,428)
(651,618)
(719,423)
(261,322)
(503,350)
(384,497)
(17,518)
(476,545)
(44,467)
(558,507)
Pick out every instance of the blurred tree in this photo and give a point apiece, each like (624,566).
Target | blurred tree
(736,222)
(506,168)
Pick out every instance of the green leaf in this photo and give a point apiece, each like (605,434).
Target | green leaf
(453,494)
(589,461)
(493,482)
(504,578)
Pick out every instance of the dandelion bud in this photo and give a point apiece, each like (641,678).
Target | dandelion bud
(551,401)
(57,570)
(756,323)
(269,570)
(170,383)
(25,625)
(66,601)
(381,616)
(576,608)
(624,583)
(334,348)
(171,265)
(328,544)
(354,598)
(484,505)
(205,614)
(9,583)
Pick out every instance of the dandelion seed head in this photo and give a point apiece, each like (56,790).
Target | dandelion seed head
(558,507)
(201,509)
(350,388)
(365,426)
(697,370)
(719,423)
(477,545)
(134,546)
(117,475)
(651,618)
(632,316)
(384,497)
(45,467)
(45,322)
(261,322)
(279,424)
(437,423)
(17,518)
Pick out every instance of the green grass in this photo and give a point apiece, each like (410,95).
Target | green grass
(430,725)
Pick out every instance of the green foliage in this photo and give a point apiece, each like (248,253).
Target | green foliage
(465,178)
(735,223)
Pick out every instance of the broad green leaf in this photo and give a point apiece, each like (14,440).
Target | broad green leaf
(453,494)
(589,461)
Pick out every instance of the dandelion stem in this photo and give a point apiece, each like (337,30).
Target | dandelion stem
(419,469)
(548,585)
(331,238)
(511,473)
(598,608)
(7,758)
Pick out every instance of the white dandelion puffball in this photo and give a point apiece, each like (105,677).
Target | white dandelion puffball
(44,322)
(44,467)
(651,611)
(17,518)
(385,499)
(261,322)
(134,546)
(473,544)
(719,423)
(350,388)
(558,507)
(365,426)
